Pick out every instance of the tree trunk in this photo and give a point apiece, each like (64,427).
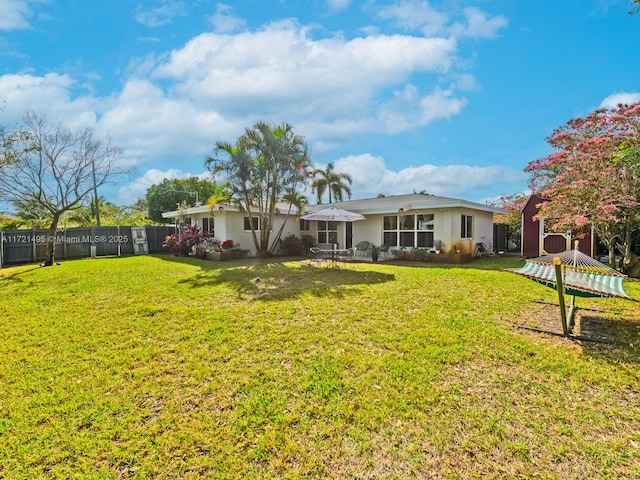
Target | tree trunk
(631,262)
(611,246)
(51,241)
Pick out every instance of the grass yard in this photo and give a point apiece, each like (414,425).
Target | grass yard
(161,367)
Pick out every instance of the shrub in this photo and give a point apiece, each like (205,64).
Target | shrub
(291,245)
(419,254)
(182,244)
(306,243)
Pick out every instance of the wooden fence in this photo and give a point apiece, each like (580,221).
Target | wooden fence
(29,246)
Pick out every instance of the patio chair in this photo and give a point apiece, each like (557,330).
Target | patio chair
(384,249)
(346,255)
(317,256)
(363,247)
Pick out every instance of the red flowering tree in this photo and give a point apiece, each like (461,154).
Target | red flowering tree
(594,177)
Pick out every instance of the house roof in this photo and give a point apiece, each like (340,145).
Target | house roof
(367,206)
(415,201)
(229,207)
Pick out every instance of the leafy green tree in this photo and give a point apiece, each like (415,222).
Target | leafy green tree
(31,214)
(335,183)
(136,214)
(262,166)
(110,214)
(7,222)
(166,195)
(55,168)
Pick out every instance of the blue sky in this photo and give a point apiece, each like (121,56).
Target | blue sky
(453,97)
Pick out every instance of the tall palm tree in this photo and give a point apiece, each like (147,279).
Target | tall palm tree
(261,167)
(292,199)
(335,183)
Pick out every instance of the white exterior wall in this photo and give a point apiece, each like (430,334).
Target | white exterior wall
(447,227)
(369,229)
(443,228)
(483,228)
(229,225)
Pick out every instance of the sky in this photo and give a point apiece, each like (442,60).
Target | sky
(449,97)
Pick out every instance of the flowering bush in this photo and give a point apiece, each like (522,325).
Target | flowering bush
(183,243)
(226,245)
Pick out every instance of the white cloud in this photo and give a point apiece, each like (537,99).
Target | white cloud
(163,14)
(478,25)
(174,107)
(14,14)
(371,177)
(413,15)
(49,94)
(613,100)
(419,15)
(327,80)
(224,21)
(150,124)
(138,188)
(338,5)
(217,84)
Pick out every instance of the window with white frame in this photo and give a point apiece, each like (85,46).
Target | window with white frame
(466,226)
(305,225)
(327,232)
(408,230)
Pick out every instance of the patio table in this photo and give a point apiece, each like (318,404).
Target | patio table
(333,255)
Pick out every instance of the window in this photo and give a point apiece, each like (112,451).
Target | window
(255,221)
(466,226)
(305,225)
(327,232)
(390,230)
(408,230)
(208,225)
(424,233)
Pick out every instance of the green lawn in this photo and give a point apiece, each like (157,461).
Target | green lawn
(161,367)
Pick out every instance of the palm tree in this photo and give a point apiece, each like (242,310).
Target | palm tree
(261,167)
(293,199)
(335,183)
(31,214)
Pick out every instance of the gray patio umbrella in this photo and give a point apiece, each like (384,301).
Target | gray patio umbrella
(333,214)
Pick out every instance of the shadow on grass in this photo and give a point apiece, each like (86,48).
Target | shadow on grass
(496,262)
(601,326)
(15,277)
(606,327)
(282,278)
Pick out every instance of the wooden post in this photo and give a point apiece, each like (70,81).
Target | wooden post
(572,313)
(557,262)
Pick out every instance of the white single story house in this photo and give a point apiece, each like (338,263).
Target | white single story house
(409,221)
(230,222)
(414,220)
